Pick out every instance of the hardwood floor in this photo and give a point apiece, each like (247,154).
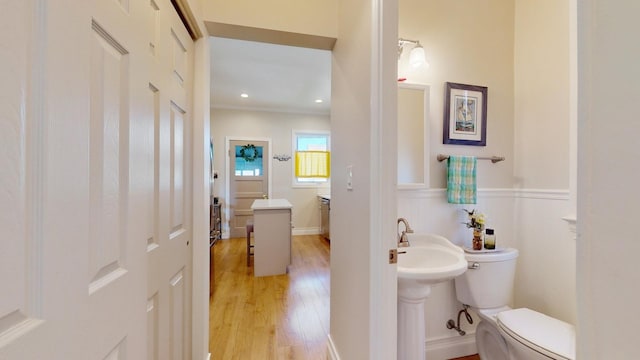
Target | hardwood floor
(272,317)
(470,357)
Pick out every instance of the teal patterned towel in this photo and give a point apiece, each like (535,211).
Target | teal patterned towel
(461,179)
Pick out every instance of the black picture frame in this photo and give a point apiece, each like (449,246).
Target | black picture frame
(465,115)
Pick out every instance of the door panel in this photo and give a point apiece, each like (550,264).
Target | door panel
(108,158)
(248,181)
(169,255)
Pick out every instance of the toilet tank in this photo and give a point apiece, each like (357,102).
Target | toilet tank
(490,284)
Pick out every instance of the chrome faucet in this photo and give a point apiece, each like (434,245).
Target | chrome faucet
(403,241)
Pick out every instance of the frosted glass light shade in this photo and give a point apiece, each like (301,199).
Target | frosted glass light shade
(417,57)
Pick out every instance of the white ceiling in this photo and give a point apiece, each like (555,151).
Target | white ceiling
(276,77)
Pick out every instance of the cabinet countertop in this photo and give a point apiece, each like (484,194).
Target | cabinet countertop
(268,204)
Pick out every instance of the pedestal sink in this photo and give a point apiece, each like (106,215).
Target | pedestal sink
(429,260)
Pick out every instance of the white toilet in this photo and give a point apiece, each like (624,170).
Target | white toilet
(504,333)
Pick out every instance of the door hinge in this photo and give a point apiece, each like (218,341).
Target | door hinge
(393,256)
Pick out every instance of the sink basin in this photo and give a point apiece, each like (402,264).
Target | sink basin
(430,259)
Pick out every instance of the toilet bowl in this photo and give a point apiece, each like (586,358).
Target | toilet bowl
(489,341)
(505,333)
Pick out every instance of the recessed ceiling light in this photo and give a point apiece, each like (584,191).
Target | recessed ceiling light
(244,95)
(318,101)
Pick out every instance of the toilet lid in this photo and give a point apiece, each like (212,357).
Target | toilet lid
(539,332)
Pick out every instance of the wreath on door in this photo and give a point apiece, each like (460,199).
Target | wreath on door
(249,152)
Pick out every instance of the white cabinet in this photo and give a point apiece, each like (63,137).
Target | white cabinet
(272,236)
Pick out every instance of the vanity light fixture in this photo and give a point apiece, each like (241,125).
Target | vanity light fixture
(417,56)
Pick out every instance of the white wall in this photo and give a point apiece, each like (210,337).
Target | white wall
(277,127)
(350,94)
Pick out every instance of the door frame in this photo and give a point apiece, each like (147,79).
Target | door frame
(201,191)
(227,178)
(383,277)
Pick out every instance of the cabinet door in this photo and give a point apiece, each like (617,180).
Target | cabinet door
(272,249)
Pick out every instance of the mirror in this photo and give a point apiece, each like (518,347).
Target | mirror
(413,147)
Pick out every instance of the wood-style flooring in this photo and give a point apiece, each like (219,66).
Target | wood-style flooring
(271,317)
(470,357)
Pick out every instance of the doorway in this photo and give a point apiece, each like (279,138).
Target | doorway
(248,172)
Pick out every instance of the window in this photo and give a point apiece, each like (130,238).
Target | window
(312,161)
(248,160)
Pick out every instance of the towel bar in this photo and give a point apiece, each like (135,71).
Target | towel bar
(494,159)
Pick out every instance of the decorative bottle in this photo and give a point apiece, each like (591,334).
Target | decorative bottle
(477,239)
(489,240)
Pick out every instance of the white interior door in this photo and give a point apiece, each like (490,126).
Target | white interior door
(249,180)
(75,179)
(170,235)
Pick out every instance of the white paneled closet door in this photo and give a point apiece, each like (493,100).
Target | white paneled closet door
(82,173)
(170,235)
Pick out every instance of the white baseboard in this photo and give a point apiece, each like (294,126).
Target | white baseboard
(209,357)
(332,352)
(451,347)
(306,231)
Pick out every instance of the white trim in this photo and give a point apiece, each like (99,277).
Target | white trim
(542,194)
(201,191)
(209,357)
(332,352)
(306,231)
(451,346)
(383,204)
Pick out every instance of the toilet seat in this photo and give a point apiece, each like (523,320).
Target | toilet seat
(546,335)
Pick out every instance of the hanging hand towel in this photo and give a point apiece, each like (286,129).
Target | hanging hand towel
(461,179)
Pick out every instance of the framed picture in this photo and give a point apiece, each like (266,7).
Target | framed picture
(465,115)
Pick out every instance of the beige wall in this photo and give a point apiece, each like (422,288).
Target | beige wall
(542,94)
(277,127)
(468,42)
(313,17)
